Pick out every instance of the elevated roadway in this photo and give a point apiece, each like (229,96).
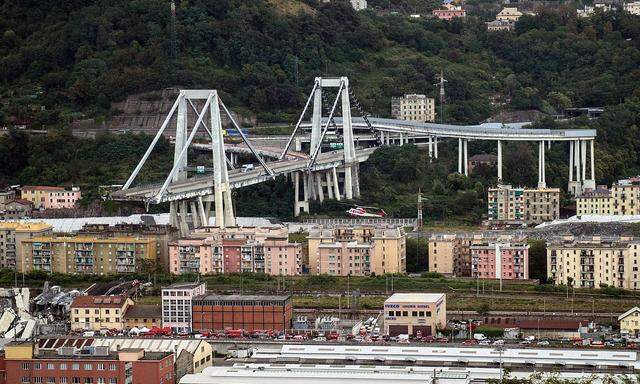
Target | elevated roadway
(201,186)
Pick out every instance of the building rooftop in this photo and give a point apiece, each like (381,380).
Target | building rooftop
(98,301)
(52,354)
(243,297)
(141,311)
(114,344)
(90,239)
(415,297)
(20,226)
(42,188)
(183,286)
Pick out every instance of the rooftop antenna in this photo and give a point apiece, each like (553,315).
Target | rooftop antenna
(441,81)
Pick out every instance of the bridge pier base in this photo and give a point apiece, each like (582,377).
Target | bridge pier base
(435,147)
(336,186)
(329,180)
(300,206)
(319,185)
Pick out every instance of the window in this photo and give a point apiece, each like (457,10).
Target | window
(101,380)
(112,367)
(88,380)
(26,366)
(37,366)
(26,380)
(50,366)
(88,367)
(51,380)
(100,367)
(63,380)
(113,380)
(38,380)
(75,380)
(63,366)
(75,367)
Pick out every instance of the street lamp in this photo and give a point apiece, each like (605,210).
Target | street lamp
(500,349)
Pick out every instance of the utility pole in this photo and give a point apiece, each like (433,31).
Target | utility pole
(419,210)
(441,81)
(174,43)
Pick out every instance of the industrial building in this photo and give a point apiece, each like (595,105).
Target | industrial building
(246,312)
(177,305)
(190,355)
(25,363)
(410,313)
(87,254)
(357,251)
(12,234)
(590,262)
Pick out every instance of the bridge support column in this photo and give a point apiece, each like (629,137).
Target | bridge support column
(300,206)
(316,125)
(401,139)
(460,156)
(593,161)
(347,136)
(319,185)
(194,215)
(583,153)
(173,214)
(499,161)
(311,185)
(327,176)
(541,167)
(356,180)
(336,185)
(430,148)
(466,157)
(204,217)
(435,147)
(382,137)
(182,216)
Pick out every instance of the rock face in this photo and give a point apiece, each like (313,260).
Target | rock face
(146,112)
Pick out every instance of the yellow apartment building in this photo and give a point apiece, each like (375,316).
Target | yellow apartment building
(589,262)
(13,234)
(359,250)
(87,254)
(630,322)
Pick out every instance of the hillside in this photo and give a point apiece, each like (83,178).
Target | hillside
(64,61)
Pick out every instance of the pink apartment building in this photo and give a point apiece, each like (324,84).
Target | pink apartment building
(490,261)
(345,258)
(44,197)
(233,250)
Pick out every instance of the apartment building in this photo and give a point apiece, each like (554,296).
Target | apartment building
(449,11)
(44,197)
(413,107)
(232,250)
(500,261)
(589,262)
(509,13)
(16,210)
(528,205)
(87,254)
(596,201)
(161,234)
(26,363)
(450,253)
(141,315)
(622,199)
(358,251)
(99,312)
(633,7)
(501,25)
(177,302)
(12,235)
(410,313)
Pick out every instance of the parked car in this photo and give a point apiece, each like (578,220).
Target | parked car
(470,342)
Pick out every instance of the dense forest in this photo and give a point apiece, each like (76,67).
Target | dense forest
(64,60)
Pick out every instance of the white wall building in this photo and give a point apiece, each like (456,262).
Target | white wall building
(176,305)
(413,107)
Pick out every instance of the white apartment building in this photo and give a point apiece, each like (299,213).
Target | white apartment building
(176,305)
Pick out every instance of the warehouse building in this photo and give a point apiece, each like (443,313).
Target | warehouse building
(247,312)
(408,313)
